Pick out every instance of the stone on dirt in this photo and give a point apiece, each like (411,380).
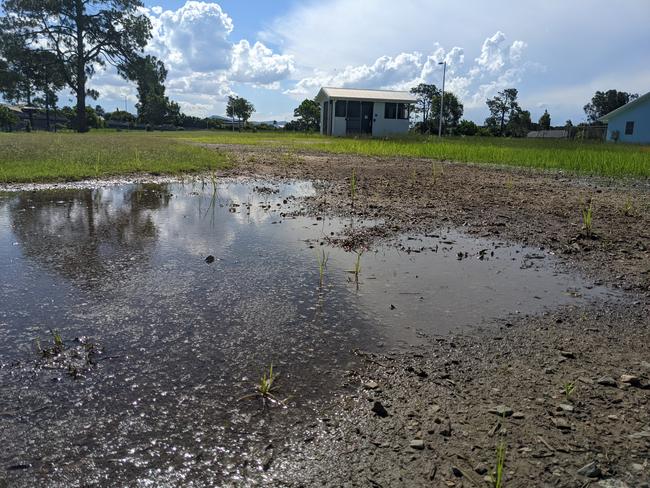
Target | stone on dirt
(501,410)
(417,444)
(606,381)
(590,470)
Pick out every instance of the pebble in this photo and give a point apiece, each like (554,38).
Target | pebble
(561,423)
(501,410)
(379,409)
(566,407)
(637,467)
(518,415)
(370,385)
(606,381)
(611,483)
(591,470)
(417,444)
(630,379)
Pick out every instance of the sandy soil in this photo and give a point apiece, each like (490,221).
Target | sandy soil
(566,393)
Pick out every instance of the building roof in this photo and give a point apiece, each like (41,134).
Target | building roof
(362,94)
(615,113)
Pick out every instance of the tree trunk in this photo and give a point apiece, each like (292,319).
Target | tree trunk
(82,122)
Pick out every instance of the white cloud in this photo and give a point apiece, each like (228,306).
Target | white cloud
(498,66)
(258,64)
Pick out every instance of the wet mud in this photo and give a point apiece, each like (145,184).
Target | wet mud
(435,311)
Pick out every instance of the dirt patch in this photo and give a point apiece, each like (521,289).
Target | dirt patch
(565,394)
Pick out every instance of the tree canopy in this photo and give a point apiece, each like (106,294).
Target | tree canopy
(81,34)
(308,115)
(603,102)
(239,107)
(428,105)
(545,121)
(503,107)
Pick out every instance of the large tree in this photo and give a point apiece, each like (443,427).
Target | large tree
(241,108)
(82,34)
(603,103)
(428,105)
(545,121)
(308,115)
(153,106)
(503,106)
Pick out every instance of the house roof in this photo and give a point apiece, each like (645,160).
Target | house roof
(614,113)
(362,94)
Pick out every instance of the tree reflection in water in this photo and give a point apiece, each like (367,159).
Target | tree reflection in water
(88,235)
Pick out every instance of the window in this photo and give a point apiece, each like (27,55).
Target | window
(390,111)
(402,111)
(341,108)
(629,128)
(354,110)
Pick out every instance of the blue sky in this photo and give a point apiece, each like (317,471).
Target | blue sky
(276,53)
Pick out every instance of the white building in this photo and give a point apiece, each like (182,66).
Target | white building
(350,111)
(631,122)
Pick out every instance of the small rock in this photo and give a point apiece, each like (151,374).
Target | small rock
(501,410)
(379,410)
(417,444)
(566,407)
(481,469)
(638,467)
(209,259)
(630,379)
(611,483)
(561,423)
(435,408)
(591,470)
(606,381)
(370,385)
(518,415)
(568,354)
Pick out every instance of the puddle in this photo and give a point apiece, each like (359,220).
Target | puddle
(182,339)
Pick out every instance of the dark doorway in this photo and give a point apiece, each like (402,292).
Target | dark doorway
(325,118)
(367,111)
(353,119)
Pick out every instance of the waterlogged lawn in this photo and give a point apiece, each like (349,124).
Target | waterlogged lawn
(596,158)
(41,156)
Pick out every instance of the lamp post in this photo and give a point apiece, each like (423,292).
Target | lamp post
(442,97)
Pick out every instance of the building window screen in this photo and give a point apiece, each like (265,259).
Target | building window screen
(354,109)
(402,111)
(390,111)
(629,128)
(341,108)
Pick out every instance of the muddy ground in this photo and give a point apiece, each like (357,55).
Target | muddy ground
(566,392)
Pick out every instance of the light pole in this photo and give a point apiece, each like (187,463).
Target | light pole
(442,97)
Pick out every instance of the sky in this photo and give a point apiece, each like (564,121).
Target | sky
(557,53)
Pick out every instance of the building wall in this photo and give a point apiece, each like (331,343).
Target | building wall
(384,127)
(640,115)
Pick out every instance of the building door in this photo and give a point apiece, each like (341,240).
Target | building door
(326,118)
(353,119)
(367,110)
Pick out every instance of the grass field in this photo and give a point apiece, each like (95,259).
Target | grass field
(595,158)
(41,156)
(26,157)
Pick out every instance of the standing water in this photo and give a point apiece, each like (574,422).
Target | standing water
(171,301)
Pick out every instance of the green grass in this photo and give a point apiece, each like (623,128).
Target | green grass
(578,157)
(41,156)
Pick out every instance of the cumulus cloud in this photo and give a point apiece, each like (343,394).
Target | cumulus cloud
(258,64)
(498,66)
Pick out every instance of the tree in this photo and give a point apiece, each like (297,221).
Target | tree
(153,106)
(466,128)
(28,75)
(428,105)
(7,118)
(502,107)
(545,121)
(82,34)
(308,115)
(519,124)
(241,108)
(603,103)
